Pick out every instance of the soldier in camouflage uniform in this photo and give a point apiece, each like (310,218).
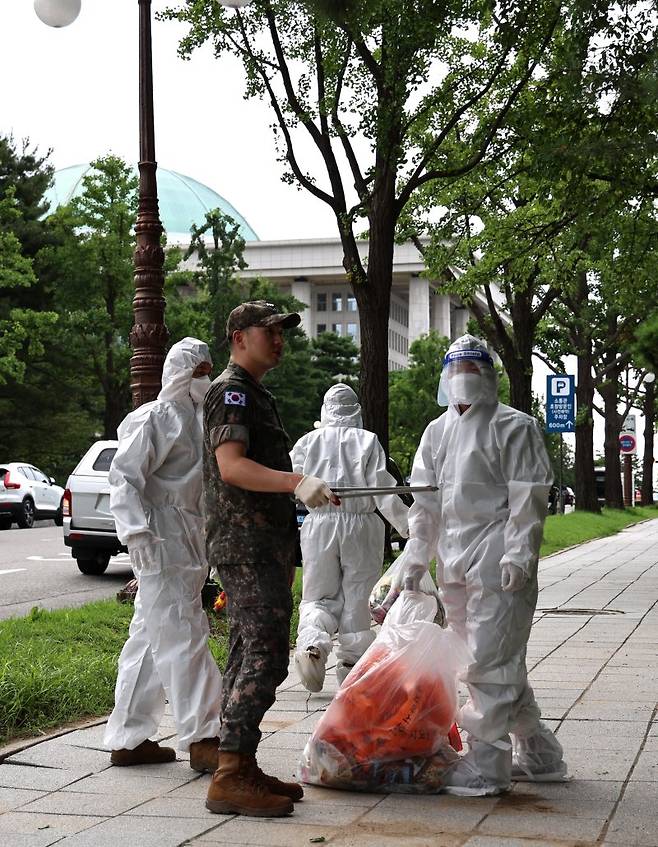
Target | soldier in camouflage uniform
(251,533)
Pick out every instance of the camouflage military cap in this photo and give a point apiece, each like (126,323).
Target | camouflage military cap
(259,313)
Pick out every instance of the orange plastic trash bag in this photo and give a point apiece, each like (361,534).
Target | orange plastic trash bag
(388,727)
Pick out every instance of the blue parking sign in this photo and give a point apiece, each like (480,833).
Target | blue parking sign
(560,403)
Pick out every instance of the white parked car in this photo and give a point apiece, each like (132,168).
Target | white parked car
(26,495)
(89,528)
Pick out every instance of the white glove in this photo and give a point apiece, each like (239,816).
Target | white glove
(512,577)
(142,554)
(314,492)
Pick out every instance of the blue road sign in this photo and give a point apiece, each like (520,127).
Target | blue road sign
(560,403)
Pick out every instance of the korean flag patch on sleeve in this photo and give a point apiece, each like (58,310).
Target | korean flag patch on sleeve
(235,398)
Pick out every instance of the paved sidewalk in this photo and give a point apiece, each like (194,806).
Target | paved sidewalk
(594,666)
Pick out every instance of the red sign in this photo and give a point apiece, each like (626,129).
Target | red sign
(627,443)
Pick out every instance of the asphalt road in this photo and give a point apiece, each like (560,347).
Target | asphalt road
(36,569)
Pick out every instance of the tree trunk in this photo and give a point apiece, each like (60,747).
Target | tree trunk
(649,411)
(374,299)
(614,497)
(519,366)
(586,499)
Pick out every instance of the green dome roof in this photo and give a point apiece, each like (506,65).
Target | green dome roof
(183,201)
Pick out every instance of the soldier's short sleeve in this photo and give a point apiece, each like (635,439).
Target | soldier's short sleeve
(227,414)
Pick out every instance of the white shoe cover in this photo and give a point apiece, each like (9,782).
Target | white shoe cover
(538,758)
(464,780)
(311,669)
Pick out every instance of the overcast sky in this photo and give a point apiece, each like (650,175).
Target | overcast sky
(75,90)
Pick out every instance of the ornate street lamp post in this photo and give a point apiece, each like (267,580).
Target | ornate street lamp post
(149,335)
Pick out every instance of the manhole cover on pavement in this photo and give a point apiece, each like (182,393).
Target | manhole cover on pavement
(581,611)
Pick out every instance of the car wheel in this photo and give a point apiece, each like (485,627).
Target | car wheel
(59,515)
(94,566)
(5,522)
(25,517)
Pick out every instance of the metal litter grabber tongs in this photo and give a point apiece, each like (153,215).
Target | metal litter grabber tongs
(352,491)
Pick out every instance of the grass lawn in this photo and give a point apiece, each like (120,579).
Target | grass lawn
(58,667)
(563,531)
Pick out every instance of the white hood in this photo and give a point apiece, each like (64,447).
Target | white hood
(178,367)
(341,407)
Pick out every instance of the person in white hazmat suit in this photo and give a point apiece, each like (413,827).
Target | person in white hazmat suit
(155,499)
(484,525)
(342,546)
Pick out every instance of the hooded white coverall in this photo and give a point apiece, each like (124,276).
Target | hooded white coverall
(155,500)
(493,474)
(343,546)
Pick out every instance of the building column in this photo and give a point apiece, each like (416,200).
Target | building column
(461,317)
(301,290)
(419,308)
(441,314)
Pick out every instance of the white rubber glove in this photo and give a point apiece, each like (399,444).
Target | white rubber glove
(314,492)
(141,550)
(512,577)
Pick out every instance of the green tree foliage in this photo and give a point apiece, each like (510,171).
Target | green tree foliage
(217,268)
(391,97)
(412,397)
(94,270)
(20,329)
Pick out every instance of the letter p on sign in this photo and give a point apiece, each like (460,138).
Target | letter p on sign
(560,387)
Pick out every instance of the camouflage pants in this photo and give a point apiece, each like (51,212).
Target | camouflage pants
(259,608)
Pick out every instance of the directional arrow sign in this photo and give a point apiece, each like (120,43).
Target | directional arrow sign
(627,443)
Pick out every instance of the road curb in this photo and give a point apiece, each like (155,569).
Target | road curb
(26,743)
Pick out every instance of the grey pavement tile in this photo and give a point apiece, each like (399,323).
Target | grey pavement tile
(13,798)
(535,821)
(571,791)
(39,778)
(195,790)
(635,821)
(77,803)
(506,841)
(180,770)
(265,832)
(284,741)
(413,834)
(318,814)
(612,711)
(117,780)
(171,807)
(34,839)
(140,832)
(292,705)
(437,813)
(60,754)
(33,823)
(275,721)
(646,768)
(556,798)
(595,764)
(333,797)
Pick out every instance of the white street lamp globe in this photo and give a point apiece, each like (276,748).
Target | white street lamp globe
(234,4)
(57,13)
(649,377)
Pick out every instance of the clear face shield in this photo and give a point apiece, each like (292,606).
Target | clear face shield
(467,377)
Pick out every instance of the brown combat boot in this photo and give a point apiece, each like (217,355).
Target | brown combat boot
(203,755)
(236,790)
(277,786)
(146,753)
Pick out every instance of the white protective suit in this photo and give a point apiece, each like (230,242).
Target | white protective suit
(343,546)
(155,500)
(484,526)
